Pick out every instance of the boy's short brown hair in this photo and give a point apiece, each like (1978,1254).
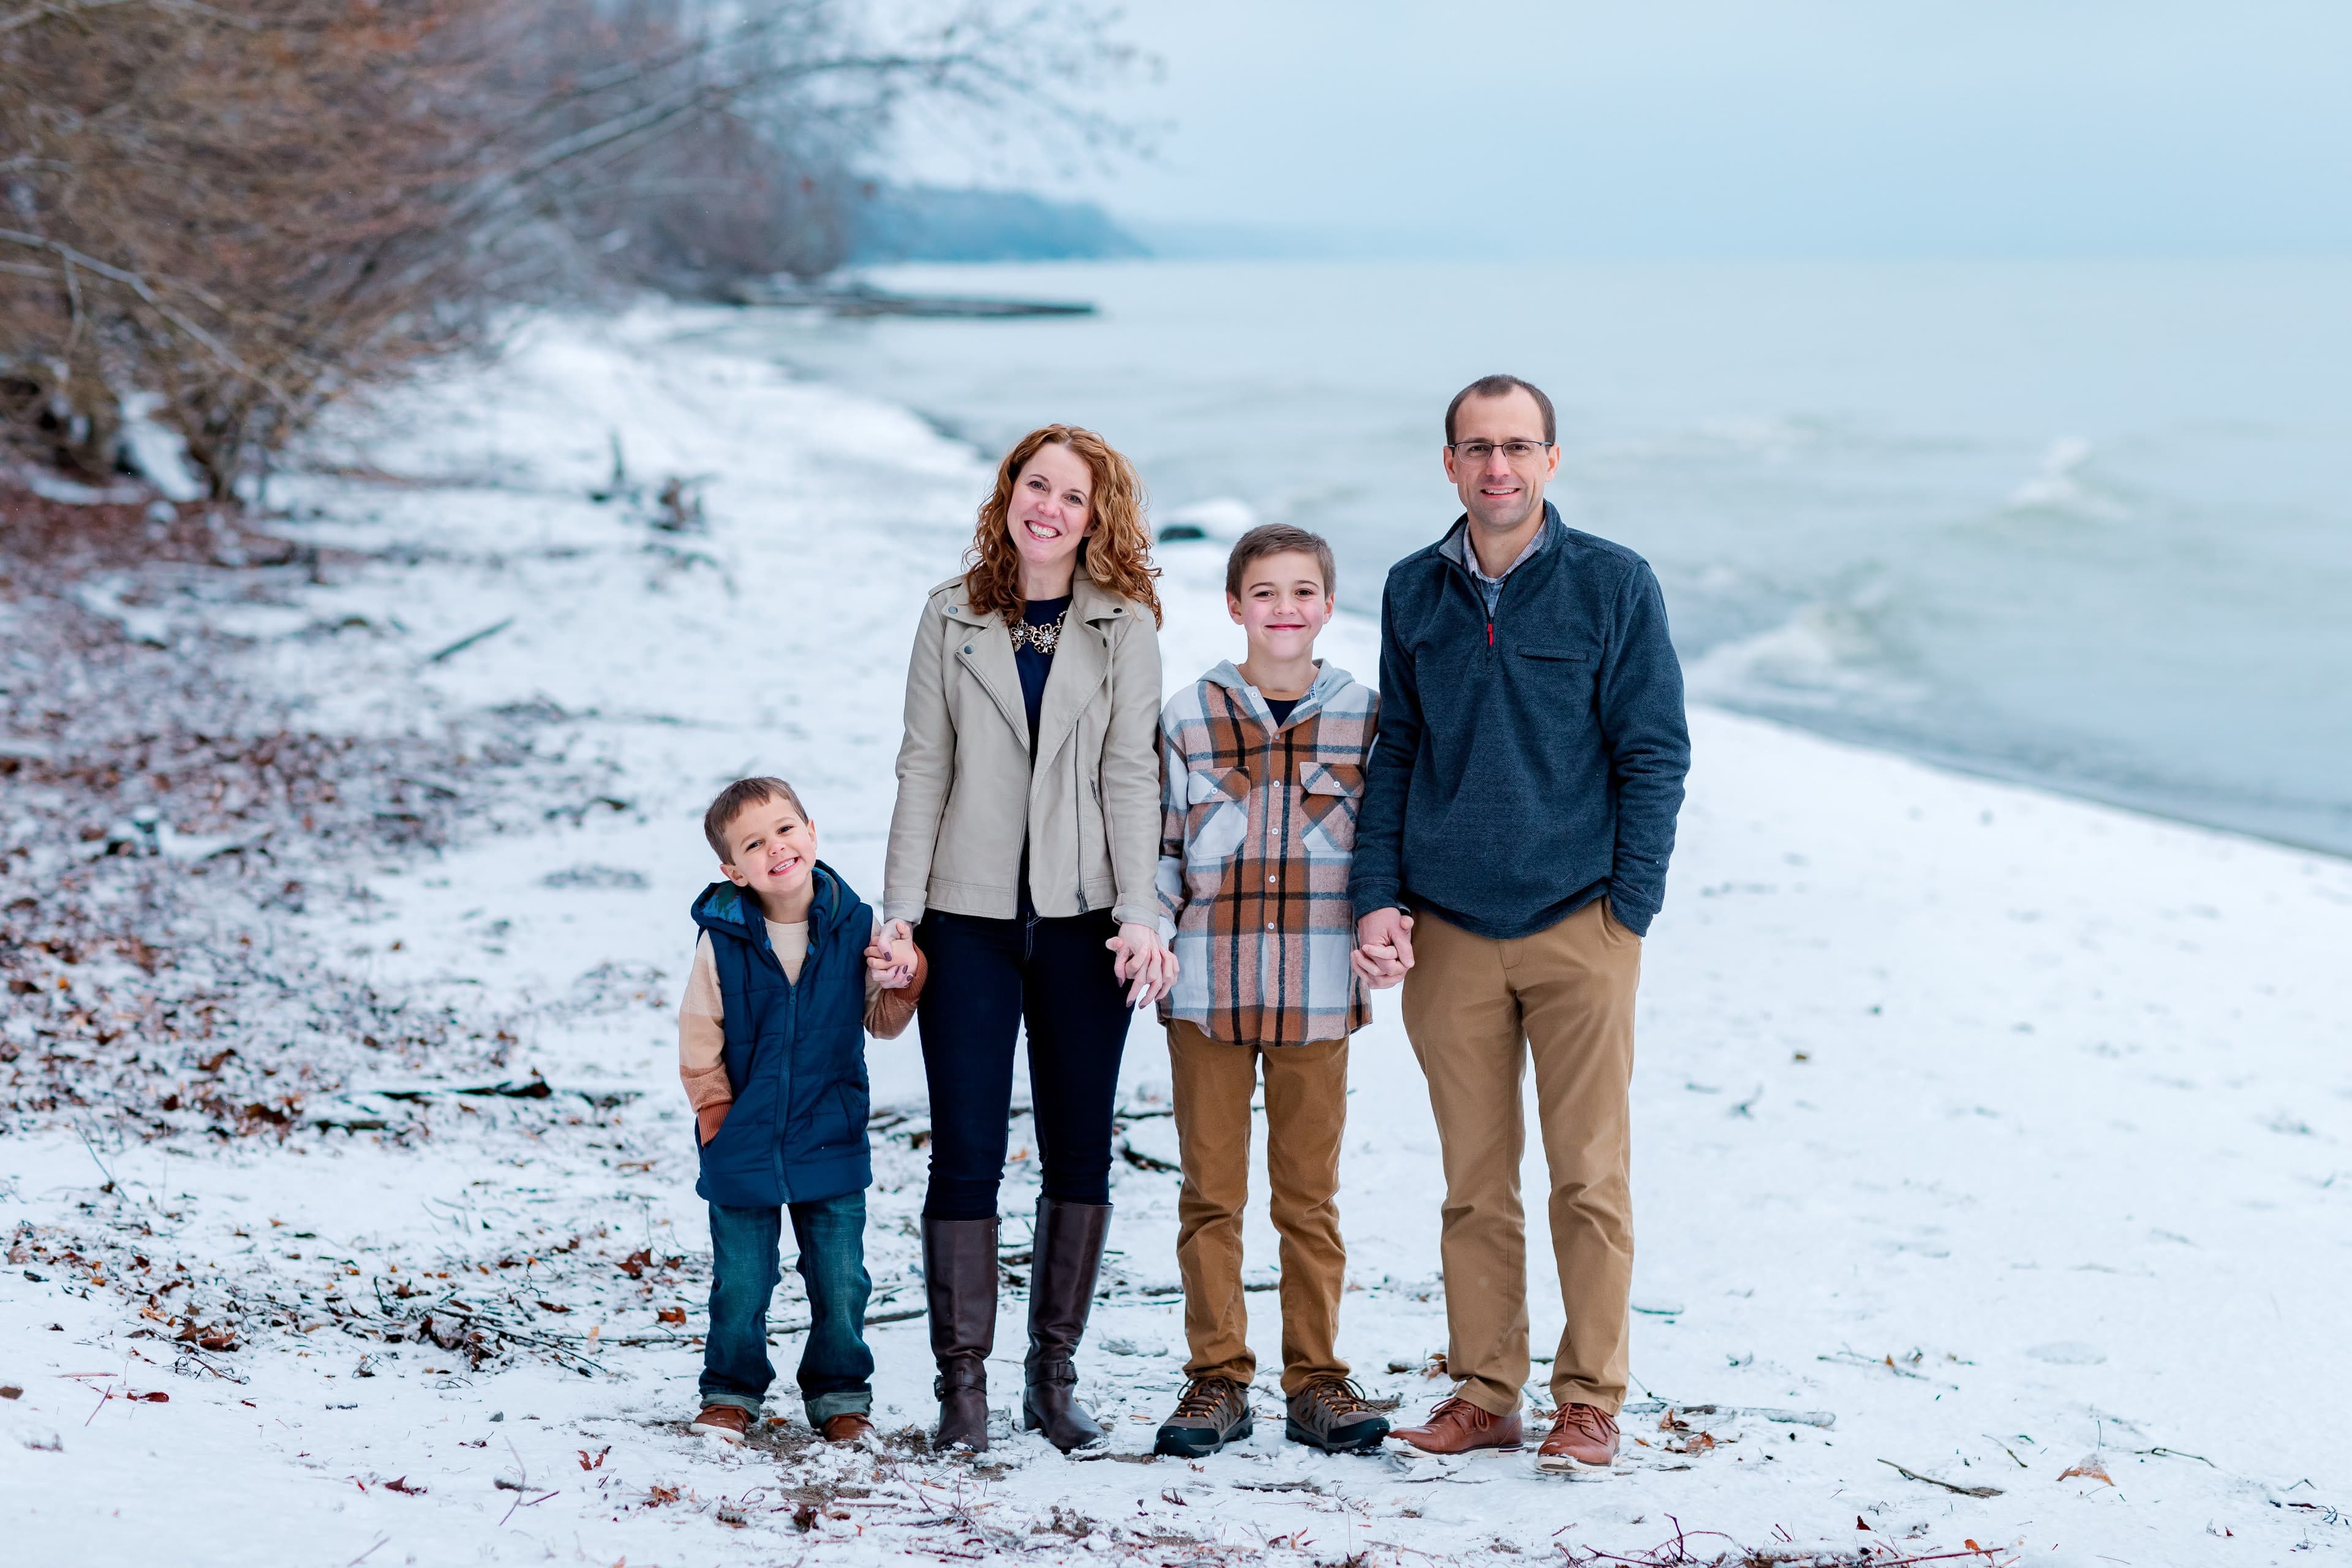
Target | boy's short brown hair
(1276,539)
(733,799)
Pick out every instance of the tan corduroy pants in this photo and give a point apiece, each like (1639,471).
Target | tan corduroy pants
(1306,1112)
(1477,1010)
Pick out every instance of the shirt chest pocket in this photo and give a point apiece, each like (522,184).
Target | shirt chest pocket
(1329,795)
(1216,813)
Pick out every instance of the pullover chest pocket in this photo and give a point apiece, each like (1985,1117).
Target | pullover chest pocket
(1555,673)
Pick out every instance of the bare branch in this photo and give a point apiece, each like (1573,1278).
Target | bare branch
(153,301)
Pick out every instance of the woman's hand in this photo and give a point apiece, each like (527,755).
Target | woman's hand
(891,956)
(1144,965)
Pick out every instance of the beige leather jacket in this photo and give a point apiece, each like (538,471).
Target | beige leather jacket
(968,796)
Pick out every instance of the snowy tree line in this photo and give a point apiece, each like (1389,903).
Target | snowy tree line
(243,211)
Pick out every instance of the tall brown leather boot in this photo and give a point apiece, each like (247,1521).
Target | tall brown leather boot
(959,1284)
(1068,1256)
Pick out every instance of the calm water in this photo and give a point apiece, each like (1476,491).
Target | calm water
(2085,523)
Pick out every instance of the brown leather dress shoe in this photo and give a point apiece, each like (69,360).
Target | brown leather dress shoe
(1456,1426)
(728,1423)
(1581,1439)
(847,1427)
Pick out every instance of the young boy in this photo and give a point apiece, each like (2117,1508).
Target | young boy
(790,974)
(1264,765)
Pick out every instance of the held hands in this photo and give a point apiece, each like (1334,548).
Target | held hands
(891,956)
(1384,948)
(1145,965)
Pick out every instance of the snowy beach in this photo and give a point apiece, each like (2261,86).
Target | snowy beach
(1993,1160)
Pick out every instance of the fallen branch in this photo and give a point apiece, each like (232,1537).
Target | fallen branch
(462,643)
(1823,1419)
(1947,1486)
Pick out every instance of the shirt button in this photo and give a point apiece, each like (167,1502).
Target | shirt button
(1269,878)
(1269,925)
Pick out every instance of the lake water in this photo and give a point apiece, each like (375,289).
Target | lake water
(2088,523)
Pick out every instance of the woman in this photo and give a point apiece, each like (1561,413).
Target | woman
(1025,841)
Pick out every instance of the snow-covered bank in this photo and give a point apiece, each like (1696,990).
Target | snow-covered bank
(1989,1133)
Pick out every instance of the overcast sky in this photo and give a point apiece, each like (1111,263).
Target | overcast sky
(1801,127)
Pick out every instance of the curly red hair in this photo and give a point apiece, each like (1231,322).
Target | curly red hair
(1117,554)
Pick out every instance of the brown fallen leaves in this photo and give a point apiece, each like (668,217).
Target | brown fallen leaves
(1693,1440)
(2091,1467)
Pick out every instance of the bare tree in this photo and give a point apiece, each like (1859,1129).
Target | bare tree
(252,207)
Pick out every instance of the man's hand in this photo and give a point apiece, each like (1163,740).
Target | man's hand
(1384,948)
(707,1119)
(1144,965)
(891,956)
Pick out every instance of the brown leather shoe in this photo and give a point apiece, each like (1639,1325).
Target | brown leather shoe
(849,1426)
(1581,1439)
(1456,1426)
(728,1423)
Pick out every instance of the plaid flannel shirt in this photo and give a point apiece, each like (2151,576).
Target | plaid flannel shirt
(1259,825)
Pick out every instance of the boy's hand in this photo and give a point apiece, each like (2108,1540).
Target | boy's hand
(891,956)
(1384,948)
(707,1119)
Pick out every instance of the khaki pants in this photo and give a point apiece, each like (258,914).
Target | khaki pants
(1477,1010)
(1306,1112)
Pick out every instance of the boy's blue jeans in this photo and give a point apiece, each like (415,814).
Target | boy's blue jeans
(836,1367)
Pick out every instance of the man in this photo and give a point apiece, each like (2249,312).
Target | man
(1518,811)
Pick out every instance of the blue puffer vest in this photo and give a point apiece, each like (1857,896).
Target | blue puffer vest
(795,1053)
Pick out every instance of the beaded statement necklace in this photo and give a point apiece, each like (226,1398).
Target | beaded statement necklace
(1044,638)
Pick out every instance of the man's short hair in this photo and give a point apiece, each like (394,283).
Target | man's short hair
(730,804)
(1502,386)
(1276,539)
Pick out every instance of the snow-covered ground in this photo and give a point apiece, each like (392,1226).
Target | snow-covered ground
(1992,1170)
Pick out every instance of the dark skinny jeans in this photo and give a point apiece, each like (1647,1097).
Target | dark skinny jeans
(987,978)
(837,1368)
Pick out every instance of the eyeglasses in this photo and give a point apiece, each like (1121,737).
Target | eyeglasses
(1477,452)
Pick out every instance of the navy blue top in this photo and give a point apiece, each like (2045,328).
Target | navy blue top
(1035,666)
(1280,708)
(1530,758)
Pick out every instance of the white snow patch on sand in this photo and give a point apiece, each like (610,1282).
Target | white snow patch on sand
(1978,1130)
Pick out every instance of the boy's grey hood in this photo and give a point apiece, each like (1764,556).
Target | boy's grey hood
(1329,678)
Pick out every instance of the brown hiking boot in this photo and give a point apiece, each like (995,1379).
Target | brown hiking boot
(728,1423)
(1332,1413)
(1456,1426)
(1581,1439)
(847,1427)
(1213,1412)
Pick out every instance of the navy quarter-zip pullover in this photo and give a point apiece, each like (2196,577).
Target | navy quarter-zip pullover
(1531,757)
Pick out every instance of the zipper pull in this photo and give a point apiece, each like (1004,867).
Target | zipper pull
(1490,633)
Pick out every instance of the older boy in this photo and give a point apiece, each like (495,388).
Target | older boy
(771,1046)
(1265,767)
